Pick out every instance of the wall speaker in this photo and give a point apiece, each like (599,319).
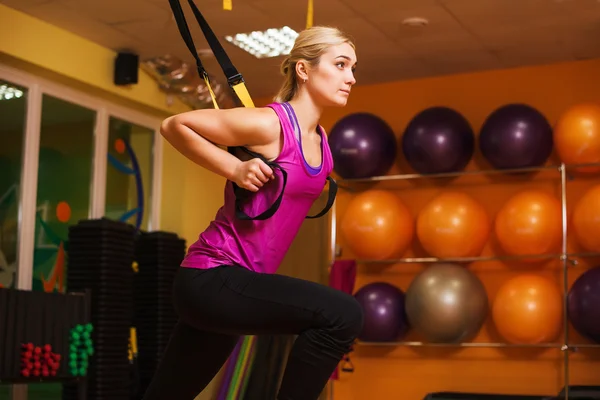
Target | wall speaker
(126,69)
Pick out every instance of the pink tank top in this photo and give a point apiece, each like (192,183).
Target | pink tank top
(260,245)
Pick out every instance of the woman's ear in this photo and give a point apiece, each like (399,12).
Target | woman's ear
(302,70)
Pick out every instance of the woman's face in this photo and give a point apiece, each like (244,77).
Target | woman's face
(332,79)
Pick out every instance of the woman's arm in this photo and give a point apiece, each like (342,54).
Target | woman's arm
(196,134)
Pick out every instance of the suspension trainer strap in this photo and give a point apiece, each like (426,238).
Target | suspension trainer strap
(236,81)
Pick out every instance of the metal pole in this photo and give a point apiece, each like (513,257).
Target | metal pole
(565,262)
(333,238)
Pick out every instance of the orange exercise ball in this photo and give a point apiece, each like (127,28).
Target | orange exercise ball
(586,220)
(530,223)
(528,309)
(577,136)
(377,225)
(453,224)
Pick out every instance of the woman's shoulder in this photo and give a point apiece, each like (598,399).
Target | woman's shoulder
(260,119)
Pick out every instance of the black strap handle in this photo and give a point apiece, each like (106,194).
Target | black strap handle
(330,199)
(241,193)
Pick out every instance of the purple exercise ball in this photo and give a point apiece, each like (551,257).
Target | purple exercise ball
(383,308)
(438,140)
(516,136)
(584,304)
(362,146)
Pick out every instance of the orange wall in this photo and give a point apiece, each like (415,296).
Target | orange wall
(391,372)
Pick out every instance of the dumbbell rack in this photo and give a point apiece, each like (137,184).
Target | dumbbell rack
(567,260)
(34,339)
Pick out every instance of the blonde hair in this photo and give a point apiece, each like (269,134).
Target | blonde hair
(310,45)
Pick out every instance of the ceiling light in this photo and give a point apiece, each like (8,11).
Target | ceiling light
(415,22)
(270,43)
(9,92)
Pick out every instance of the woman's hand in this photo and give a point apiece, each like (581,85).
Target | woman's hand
(252,174)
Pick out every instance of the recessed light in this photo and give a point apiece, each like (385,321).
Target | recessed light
(263,44)
(415,22)
(8,92)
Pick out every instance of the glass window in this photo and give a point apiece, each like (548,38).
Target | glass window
(64,186)
(13,110)
(129,172)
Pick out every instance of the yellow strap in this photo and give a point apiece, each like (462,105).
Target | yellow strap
(212,94)
(227,6)
(309,14)
(240,89)
(242,92)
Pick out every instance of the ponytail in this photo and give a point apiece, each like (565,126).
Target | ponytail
(290,86)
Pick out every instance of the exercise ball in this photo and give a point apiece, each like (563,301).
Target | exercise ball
(446,303)
(362,146)
(529,223)
(586,220)
(577,136)
(528,309)
(383,310)
(453,224)
(438,140)
(583,302)
(516,136)
(377,225)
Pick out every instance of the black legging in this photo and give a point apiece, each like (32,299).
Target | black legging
(216,306)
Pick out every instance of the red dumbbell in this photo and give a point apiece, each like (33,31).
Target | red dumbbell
(27,346)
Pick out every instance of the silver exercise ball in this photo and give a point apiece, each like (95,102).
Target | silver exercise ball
(446,303)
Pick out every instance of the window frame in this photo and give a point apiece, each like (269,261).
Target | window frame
(37,87)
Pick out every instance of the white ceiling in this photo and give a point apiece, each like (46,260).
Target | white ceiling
(462,35)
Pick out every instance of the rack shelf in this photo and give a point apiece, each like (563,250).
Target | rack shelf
(562,346)
(460,260)
(400,177)
(511,171)
(464,344)
(584,346)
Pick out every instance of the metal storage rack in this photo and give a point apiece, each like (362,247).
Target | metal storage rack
(566,259)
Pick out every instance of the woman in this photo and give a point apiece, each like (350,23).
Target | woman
(226,286)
